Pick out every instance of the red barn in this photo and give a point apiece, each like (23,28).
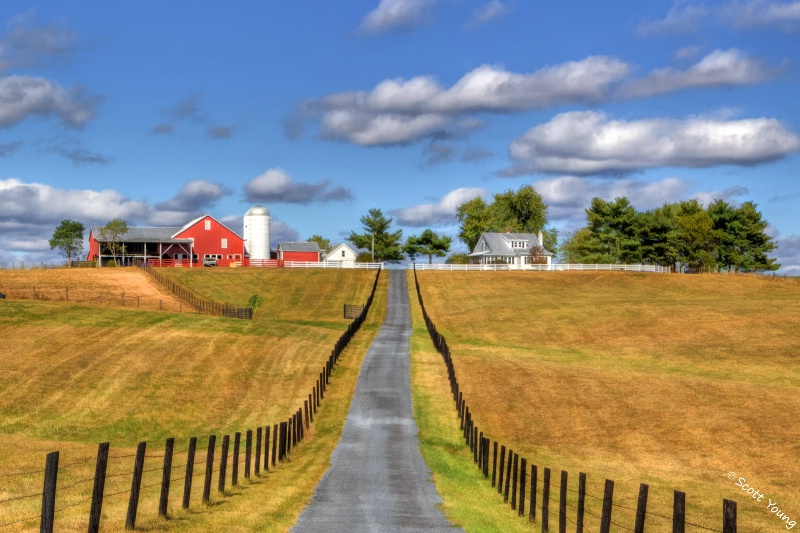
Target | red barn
(299,251)
(203,239)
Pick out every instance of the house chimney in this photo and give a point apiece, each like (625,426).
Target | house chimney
(541,239)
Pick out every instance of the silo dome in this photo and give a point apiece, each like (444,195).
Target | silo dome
(256,232)
(257,210)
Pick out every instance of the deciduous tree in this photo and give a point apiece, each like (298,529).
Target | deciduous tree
(68,238)
(112,233)
(324,244)
(520,211)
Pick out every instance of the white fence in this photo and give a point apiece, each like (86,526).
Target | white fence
(331,264)
(552,267)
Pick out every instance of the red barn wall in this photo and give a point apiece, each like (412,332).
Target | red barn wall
(312,257)
(94,248)
(209,241)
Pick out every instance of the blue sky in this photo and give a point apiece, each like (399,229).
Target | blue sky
(157,112)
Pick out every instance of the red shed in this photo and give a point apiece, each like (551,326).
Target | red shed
(299,251)
(202,239)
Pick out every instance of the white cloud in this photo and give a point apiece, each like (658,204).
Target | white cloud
(762,13)
(401,111)
(788,254)
(490,11)
(439,214)
(37,203)
(276,186)
(589,142)
(691,16)
(568,197)
(720,67)
(193,199)
(24,96)
(27,44)
(683,17)
(395,15)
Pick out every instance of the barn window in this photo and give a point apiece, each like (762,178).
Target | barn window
(342,253)
(224,243)
(208,224)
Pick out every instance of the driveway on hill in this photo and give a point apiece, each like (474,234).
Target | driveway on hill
(378,481)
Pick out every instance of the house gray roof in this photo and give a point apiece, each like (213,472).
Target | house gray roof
(142,235)
(499,244)
(298,247)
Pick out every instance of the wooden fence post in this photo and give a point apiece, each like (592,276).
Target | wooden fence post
(486,457)
(679,512)
(136,484)
(581,502)
(266,448)
(49,493)
(494,465)
(514,483)
(248,450)
(562,504)
(165,478)
(534,484)
(257,467)
(502,465)
(305,405)
(212,444)
(223,462)
(641,509)
(523,472)
(274,444)
(729,516)
(187,480)
(608,501)
(546,500)
(281,443)
(96,509)
(311,408)
(508,475)
(237,437)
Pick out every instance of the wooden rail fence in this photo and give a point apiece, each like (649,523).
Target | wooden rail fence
(509,474)
(200,305)
(219,457)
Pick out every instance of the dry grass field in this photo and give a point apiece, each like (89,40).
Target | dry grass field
(669,380)
(106,287)
(75,375)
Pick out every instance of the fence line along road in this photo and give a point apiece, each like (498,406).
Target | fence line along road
(287,436)
(555,267)
(509,475)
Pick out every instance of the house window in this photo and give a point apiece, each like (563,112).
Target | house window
(224,243)
(518,244)
(342,253)
(208,224)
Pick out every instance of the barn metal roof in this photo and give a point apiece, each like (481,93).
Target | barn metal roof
(142,235)
(298,247)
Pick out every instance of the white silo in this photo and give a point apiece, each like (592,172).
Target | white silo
(256,232)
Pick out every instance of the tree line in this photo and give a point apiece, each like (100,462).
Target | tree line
(719,238)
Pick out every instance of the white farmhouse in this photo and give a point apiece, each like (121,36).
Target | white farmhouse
(509,248)
(341,252)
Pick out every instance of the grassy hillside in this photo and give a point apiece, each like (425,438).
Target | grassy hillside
(75,375)
(668,380)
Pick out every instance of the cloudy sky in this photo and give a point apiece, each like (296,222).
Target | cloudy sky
(158,112)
